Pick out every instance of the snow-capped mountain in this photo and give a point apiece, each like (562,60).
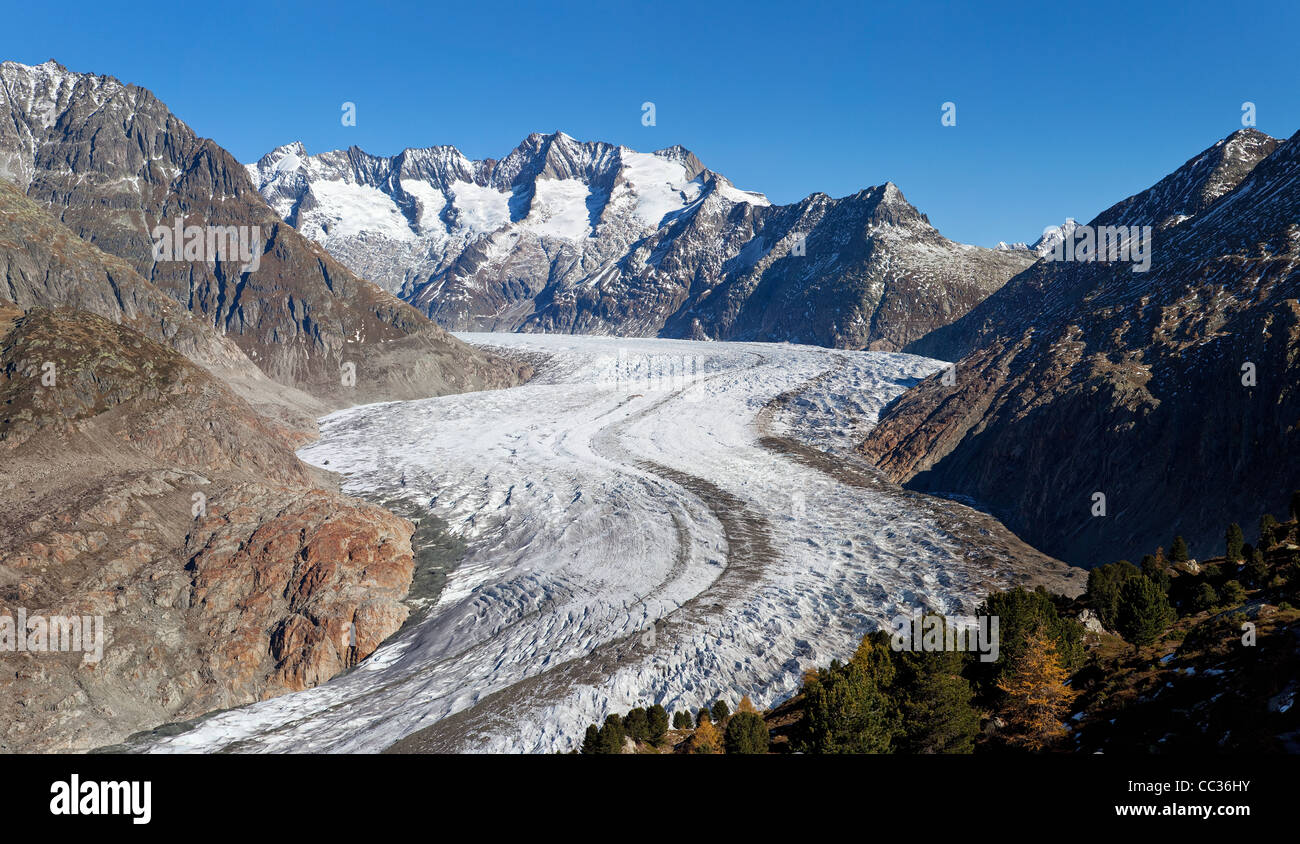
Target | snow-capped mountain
(571,236)
(1052,235)
(112,162)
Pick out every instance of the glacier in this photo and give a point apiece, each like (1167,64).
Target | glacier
(631,539)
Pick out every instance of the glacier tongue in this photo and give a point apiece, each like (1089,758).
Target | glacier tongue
(636,532)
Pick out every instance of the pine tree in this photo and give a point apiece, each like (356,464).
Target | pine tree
(1037,698)
(701,716)
(1156,571)
(935,703)
(706,738)
(847,708)
(1267,524)
(1104,583)
(1144,612)
(658,718)
(612,734)
(746,733)
(1257,569)
(1178,551)
(591,741)
(1234,594)
(1233,539)
(1205,598)
(720,711)
(681,720)
(637,725)
(1019,611)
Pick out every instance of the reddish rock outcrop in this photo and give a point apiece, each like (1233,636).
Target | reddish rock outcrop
(139,488)
(306,578)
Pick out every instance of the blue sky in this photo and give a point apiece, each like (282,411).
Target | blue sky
(1062,110)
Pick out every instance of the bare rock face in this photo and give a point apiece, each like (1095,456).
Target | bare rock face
(1174,393)
(282,588)
(568,236)
(140,489)
(112,163)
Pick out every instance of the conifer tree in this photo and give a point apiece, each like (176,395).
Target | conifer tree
(637,725)
(1104,584)
(1233,593)
(1178,551)
(847,708)
(681,720)
(1257,569)
(701,716)
(1266,526)
(747,705)
(1020,611)
(658,723)
(1144,612)
(1205,598)
(1233,539)
(591,741)
(1156,571)
(612,734)
(720,711)
(1037,699)
(746,733)
(935,703)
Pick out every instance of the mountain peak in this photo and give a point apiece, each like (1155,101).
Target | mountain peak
(1196,185)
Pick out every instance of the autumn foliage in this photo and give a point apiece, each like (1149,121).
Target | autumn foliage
(1037,698)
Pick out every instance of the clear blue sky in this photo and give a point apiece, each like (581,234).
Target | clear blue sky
(1061,109)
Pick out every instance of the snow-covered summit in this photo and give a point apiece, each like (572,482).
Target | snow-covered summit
(592,237)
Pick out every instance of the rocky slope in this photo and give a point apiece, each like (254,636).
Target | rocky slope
(111,162)
(567,236)
(44,265)
(1174,392)
(148,420)
(139,488)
